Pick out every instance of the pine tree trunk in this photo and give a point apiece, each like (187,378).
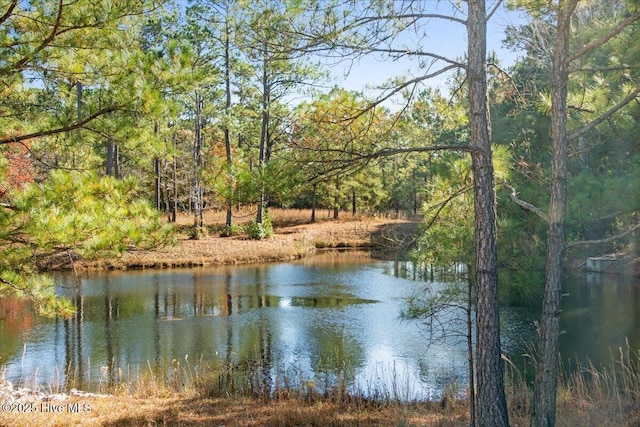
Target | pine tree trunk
(491,399)
(174,205)
(227,136)
(313,202)
(353,202)
(116,161)
(544,394)
(158,182)
(197,166)
(109,158)
(472,371)
(264,135)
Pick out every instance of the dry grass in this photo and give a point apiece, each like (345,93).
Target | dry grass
(294,237)
(589,397)
(192,411)
(607,397)
(219,396)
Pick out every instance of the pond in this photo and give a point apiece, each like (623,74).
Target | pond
(307,320)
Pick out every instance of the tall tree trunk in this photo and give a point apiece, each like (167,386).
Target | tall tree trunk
(79,92)
(158,182)
(353,202)
(336,201)
(116,161)
(491,399)
(109,158)
(313,202)
(174,205)
(197,166)
(227,108)
(472,371)
(544,395)
(264,135)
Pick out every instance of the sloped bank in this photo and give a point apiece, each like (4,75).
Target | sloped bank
(287,243)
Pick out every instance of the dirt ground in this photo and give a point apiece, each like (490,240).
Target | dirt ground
(294,237)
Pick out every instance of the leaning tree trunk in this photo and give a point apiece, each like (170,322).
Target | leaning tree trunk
(544,394)
(491,399)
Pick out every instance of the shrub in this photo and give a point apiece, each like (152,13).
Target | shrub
(232,230)
(260,231)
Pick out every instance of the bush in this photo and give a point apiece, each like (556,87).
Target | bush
(232,230)
(260,231)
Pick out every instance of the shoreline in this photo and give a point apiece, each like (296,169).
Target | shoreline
(287,243)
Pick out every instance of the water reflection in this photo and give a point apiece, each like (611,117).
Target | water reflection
(317,316)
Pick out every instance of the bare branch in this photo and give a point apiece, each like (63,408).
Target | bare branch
(630,230)
(408,83)
(356,158)
(599,42)
(494,10)
(525,205)
(401,52)
(7,206)
(602,69)
(368,19)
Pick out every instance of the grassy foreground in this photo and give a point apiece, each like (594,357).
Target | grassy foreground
(227,397)
(601,401)
(185,410)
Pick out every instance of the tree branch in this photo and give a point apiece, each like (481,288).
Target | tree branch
(525,205)
(52,35)
(602,69)
(77,125)
(9,11)
(494,10)
(8,206)
(367,19)
(401,52)
(356,158)
(599,42)
(445,202)
(631,230)
(633,95)
(408,83)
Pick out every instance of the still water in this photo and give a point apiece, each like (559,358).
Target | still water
(333,312)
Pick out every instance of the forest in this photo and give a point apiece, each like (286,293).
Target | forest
(116,116)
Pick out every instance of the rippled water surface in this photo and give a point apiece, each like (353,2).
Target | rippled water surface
(334,312)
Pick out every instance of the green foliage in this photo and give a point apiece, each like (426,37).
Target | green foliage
(260,231)
(38,288)
(232,230)
(448,234)
(73,210)
(331,131)
(72,213)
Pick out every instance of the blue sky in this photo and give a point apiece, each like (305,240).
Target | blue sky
(443,37)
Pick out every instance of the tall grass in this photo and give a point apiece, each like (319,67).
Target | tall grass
(261,378)
(587,396)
